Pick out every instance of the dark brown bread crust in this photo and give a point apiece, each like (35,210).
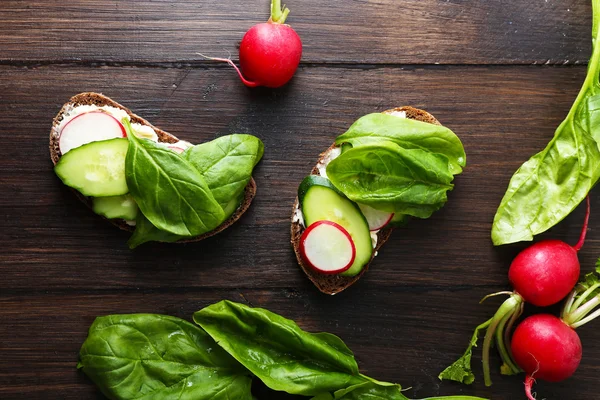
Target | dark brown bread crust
(333,284)
(164,137)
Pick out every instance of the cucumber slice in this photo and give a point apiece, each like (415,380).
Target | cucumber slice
(96,169)
(321,201)
(113,207)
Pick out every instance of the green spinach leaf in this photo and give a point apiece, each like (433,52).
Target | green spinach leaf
(547,187)
(146,232)
(388,177)
(409,134)
(169,191)
(226,164)
(147,356)
(366,390)
(278,352)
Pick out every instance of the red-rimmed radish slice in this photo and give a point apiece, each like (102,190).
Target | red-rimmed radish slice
(327,247)
(376,219)
(176,149)
(89,127)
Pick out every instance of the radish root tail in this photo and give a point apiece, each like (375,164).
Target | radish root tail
(579,244)
(245,81)
(529,381)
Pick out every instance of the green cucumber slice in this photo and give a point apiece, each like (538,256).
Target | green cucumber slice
(113,207)
(320,200)
(96,169)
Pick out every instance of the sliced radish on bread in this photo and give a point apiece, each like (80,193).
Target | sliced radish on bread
(89,127)
(176,149)
(327,247)
(376,219)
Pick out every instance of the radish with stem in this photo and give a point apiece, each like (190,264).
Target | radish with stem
(269,52)
(542,274)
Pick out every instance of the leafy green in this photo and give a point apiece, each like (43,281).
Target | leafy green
(408,134)
(547,187)
(367,390)
(460,370)
(226,164)
(388,177)
(169,191)
(147,356)
(278,352)
(146,232)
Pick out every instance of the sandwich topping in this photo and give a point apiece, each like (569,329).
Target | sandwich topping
(168,191)
(385,169)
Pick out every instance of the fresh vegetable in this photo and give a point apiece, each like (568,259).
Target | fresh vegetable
(376,219)
(160,357)
(89,127)
(112,207)
(408,134)
(542,274)
(547,187)
(547,347)
(95,169)
(269,52)
(185,205)
(390,178)
(327,247)
(286,358)
(226,164)
(321,201)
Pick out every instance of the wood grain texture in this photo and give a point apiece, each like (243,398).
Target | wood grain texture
(397,335)
(406,319)
(339,31)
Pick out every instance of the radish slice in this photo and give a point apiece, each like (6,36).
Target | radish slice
(376,219)
(176,149)
(89,127)
(327,247)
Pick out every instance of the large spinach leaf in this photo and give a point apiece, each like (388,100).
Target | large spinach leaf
(409,134)
(388,177)
(547,187)
(278,352)
(169,191)
(147,356)
(226,164)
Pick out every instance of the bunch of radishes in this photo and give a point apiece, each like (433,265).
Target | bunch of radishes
(543,346)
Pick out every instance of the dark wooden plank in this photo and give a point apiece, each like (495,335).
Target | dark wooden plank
(407,318)
(396,335)
(51,241)
(382,31)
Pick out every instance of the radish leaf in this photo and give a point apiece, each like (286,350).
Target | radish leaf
(460,370)
(547,187)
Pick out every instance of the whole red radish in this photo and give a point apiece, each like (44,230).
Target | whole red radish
(269,52)
(546,348)
(544,273)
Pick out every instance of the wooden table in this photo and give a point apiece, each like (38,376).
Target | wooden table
(501,74)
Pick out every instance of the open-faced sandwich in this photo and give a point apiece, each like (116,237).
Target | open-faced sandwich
(145,180)
(386,168)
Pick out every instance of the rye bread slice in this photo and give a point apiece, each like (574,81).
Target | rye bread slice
(333,284)
(100,100)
